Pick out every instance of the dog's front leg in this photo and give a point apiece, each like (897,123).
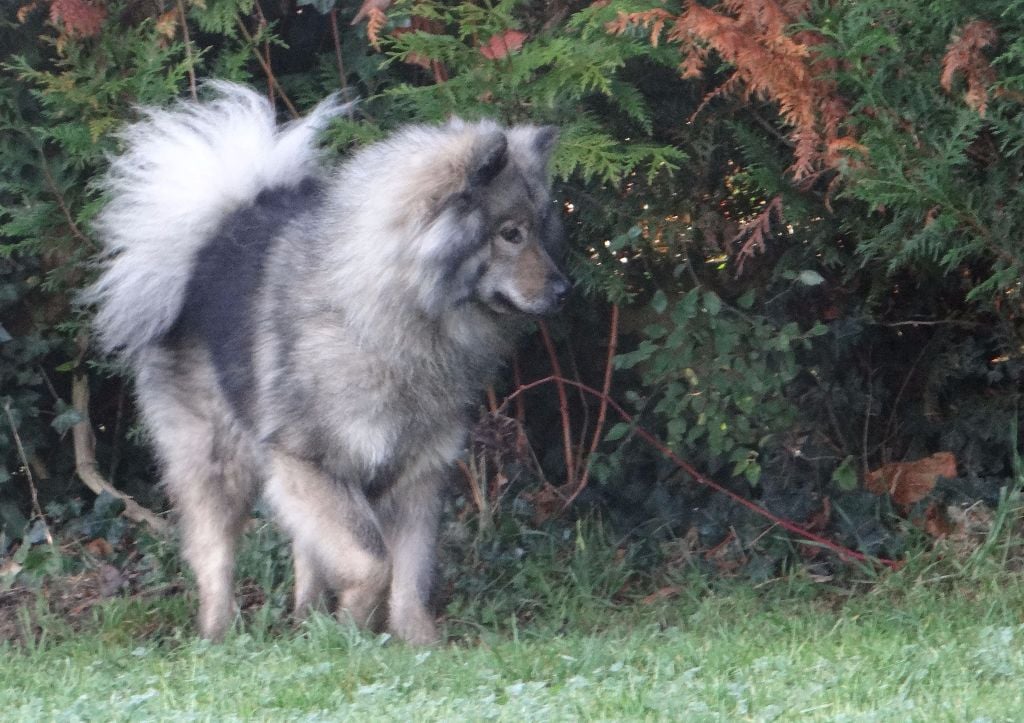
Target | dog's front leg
(336,537)
(410,522)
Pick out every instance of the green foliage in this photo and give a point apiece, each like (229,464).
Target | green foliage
(719,375)
(786,338)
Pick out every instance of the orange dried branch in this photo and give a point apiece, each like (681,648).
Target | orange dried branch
(965,55)
(768,62)
(375,22)
(754,233)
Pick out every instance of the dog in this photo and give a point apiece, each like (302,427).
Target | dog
(318,333)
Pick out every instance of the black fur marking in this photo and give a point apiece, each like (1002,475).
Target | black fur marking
(464,282)
(552,234)
(225,282)
(471,238)
(379,482)
(489,159)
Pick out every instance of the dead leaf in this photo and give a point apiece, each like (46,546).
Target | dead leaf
(367,8)
(421,24)
(910,482)
(167,24)
(547,502)
(25,10)
(935,522)
(502,44)
(974,522)
(99,547)
(111,581)
(727,556)
(819,520)
(665,593)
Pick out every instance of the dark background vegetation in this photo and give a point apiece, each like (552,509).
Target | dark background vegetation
(794,226)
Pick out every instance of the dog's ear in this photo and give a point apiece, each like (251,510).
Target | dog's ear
(489,157)
(545,139)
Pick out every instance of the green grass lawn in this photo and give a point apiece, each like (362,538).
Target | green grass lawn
(930,643)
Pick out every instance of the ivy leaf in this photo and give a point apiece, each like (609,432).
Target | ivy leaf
(712,302)
(67,417)
(845,475)
(659,302)
(617,432)
(321,6)
(808,277)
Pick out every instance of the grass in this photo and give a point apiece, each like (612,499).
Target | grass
(937,641)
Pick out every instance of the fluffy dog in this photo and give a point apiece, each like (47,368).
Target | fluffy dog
(318,334)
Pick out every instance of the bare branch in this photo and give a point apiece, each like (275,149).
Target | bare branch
(85,458)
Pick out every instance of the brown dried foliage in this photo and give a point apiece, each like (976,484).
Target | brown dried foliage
(753,234)
(79,18)
(375,22)
(965,55)
(910,482)
(769,63)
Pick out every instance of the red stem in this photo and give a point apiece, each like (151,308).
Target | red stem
(843,552)
(563,408)
(613,343)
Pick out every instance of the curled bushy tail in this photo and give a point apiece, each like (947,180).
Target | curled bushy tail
(182,172)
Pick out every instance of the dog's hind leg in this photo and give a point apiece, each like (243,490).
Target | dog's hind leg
(410,516)
(335,533)
(310,585)
(206,474)
(211,523)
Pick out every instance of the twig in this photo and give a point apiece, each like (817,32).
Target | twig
(115,452)
(584,425)
(337,48)
(188,52)
(474,489)
(613,342)
(37,511)
(899,395)
(843,552)
(265,64)
(85,453)
(61,203)
(867,426)
(517,379)
(88,469)
(934,322)
(563,408)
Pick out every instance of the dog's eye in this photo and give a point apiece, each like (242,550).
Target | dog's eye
(511,234)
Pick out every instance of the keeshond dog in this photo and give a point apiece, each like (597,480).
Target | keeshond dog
(319,334)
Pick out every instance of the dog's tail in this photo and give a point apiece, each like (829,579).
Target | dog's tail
(182,172)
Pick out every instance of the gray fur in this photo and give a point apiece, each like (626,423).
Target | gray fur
(318,335)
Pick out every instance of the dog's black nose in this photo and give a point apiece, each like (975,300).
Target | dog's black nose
(560,288)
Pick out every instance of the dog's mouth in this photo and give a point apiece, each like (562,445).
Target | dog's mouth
(501,303)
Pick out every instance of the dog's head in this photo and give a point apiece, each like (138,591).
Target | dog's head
(504,235)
